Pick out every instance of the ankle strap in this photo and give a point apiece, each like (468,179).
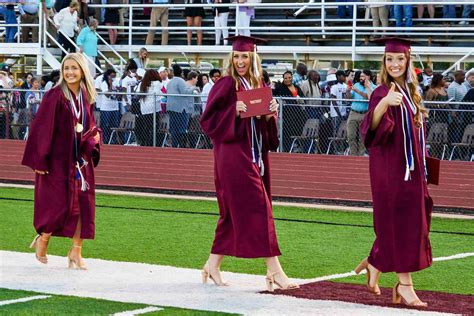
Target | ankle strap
(269,273)
(76,246)
(399,283)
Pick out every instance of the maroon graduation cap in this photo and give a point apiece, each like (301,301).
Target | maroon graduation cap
(242,43)
(395,44)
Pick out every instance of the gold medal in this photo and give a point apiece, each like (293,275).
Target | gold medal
(79,128)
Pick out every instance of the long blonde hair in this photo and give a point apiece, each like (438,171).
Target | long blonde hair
(254,81)
(87,82)
(386,79)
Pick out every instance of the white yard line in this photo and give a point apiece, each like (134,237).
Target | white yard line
(145,310)
(458,256)
(352,273)
(167,286)
(204,198)
(24,299)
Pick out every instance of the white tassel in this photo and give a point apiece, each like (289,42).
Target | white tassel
(84,184)
(407,173)
(255,68)
(262,167)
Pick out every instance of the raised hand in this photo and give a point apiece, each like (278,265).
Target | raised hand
(393,98)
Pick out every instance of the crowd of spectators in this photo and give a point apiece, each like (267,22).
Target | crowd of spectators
(170,101)
(70,15)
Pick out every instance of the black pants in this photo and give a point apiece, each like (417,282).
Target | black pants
(66,44)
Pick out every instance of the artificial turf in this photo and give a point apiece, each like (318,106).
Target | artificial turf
(69,305)
(180,232)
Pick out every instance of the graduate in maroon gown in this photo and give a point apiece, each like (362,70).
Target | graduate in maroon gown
(245,228)
(394,133)
(63,149)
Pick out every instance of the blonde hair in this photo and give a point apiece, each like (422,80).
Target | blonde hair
(87,83)
(386,79)
(254,81)
(75,4)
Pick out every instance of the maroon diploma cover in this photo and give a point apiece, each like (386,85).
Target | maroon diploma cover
(257,101)
(432,168)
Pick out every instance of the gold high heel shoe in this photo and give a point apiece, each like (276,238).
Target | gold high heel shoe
(74,263)
(206,274)
(364,265)
(270,280)
(399,299)
(34,244)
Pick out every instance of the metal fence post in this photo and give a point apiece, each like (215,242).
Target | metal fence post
(154,120)
(280,123)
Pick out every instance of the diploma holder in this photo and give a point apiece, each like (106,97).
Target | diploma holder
(257,101)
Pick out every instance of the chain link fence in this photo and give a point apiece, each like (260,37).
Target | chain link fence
(306,125)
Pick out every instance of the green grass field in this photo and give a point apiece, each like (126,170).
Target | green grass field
(179,233)
(68,305)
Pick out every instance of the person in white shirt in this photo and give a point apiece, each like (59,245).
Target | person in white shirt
(338,109)
(149,104)
(66,23)
(163,71)
(128,82)
(109,105)
(214,75)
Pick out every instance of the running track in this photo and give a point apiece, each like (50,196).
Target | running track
(297,177)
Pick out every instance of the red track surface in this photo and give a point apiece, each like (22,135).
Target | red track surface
(353,293)
(294,176)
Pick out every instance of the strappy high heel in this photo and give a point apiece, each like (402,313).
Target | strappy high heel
(399,299)
(34,244)
(364,265)
(74,263)
(206,274)
(271,282)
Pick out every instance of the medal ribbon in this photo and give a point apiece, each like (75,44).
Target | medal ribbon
(256,137)
(409,157)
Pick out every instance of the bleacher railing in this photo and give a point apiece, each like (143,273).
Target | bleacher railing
(320,27)
(306,125)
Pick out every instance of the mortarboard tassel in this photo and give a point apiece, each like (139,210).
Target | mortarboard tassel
(255,68)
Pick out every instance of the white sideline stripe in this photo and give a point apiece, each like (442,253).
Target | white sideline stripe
(24,299)
(148,309)
(458,256)
(352,273)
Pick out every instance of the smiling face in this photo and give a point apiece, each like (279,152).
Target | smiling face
(396,64)
(241,61)
(72,72)
(35,85)
(287,79)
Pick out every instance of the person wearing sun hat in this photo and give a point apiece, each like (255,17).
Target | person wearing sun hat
(245,228)
(394,132)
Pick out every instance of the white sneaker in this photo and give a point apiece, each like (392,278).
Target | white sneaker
(464,23)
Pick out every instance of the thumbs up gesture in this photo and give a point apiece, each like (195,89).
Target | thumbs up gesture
(393,98)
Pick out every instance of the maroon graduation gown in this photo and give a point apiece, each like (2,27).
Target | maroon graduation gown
(402,209)
(245,227)
(58,199)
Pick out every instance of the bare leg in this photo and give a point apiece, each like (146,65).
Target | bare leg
(40,243)
(276,275)
(420,10)
(198,22)
(211,270)
(431,11)
(189,23)
(405,292)
(75,254)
